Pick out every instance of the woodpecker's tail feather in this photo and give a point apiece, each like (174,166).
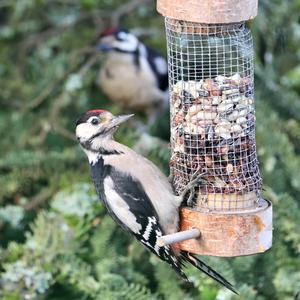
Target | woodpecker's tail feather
(207,270)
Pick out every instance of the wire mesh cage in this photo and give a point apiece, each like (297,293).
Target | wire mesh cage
(210,61)
(212,113)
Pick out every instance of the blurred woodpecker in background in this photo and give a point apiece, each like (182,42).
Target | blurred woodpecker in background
(134,76)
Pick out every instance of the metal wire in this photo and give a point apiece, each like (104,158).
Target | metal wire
(212,113)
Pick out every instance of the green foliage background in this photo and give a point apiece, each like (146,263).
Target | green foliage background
(56,240)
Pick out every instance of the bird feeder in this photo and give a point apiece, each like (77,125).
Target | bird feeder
(211,79)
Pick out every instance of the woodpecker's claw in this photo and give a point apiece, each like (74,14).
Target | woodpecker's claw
(196,178)
(190,201)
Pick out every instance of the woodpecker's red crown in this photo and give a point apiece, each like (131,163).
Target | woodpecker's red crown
(97,111)
(112,31)
(108,31)
(93,112)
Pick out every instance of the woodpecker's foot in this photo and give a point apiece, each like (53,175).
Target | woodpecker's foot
(190,200)
(196,178)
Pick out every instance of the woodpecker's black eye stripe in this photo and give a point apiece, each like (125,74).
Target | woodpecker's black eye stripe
(85,117)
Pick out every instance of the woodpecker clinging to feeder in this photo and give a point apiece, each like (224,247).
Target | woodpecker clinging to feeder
(135,192)
(134,76)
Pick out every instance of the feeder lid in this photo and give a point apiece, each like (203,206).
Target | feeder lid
(208,11)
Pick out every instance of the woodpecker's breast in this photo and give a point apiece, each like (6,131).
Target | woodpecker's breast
(129,84)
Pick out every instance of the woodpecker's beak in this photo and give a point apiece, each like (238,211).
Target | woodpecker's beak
(104,47)
(116,121)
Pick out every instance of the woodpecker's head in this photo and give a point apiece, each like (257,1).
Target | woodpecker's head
(118,40)
(96,126)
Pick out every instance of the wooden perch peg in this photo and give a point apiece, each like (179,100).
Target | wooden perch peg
(178,237)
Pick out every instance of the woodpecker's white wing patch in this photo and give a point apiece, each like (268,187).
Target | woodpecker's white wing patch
(161,65)
(120,207)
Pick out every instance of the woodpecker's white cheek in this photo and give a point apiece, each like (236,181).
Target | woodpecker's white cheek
(129,45)
(120,207)
(85,131)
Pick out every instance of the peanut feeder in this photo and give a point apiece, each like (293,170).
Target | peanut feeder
(211,78)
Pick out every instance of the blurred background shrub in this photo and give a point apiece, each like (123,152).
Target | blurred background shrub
(56,241)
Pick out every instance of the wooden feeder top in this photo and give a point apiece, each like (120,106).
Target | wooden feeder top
(208,11)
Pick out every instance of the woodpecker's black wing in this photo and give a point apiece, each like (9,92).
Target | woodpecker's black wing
(139,204)
(131,208)
(158,65)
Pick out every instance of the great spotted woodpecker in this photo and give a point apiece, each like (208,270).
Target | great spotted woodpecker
(134,76)
(135,192)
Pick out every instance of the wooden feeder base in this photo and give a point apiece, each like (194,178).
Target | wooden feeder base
(229,234)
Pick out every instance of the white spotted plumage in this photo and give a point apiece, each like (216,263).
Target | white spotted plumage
(151,221)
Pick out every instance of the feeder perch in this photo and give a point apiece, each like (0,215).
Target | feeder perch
(211,79)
